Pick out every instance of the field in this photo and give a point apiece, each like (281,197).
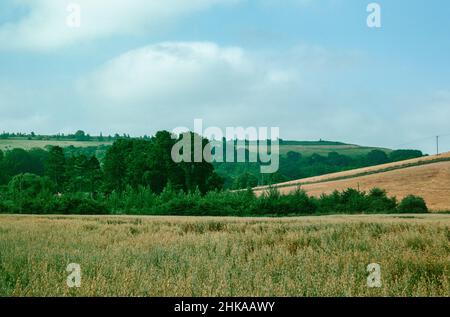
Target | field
(306,150)
(25,144)
(426,179)
(164,256)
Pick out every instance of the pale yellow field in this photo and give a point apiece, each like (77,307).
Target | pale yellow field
(30,144)
(180,256)
(430,181)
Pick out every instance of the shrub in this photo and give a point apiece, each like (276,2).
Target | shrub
(77,205)
(412,204)
(354,201)
(378,201)
(301,203)
(29,185)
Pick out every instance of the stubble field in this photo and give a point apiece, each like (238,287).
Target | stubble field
(429,179)
(177,256)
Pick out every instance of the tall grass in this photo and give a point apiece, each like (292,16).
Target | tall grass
(181,256)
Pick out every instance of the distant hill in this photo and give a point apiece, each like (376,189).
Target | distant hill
(322,147)
(311,143)
(306,148)
(23,143)
(298,159)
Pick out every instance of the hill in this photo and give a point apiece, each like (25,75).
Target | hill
(428,177)
(306,148)
(298,159)
(23,143)
(322,147)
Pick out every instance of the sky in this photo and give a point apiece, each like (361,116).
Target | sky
(313,68)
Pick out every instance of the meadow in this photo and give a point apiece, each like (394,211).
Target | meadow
(194,256)
(9,144)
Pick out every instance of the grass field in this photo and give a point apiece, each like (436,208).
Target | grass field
(306,150)
(164,256)
(10,144)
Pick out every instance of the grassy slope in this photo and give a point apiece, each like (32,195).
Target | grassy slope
(9,144)
(346,149)
(175,256)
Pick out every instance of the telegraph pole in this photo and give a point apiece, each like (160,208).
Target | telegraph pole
(437,144)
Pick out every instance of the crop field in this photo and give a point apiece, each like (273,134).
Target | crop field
(306,150)
(428,179)
(25,144)
(181,256)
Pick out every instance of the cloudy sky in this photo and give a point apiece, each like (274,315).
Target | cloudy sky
(311,67)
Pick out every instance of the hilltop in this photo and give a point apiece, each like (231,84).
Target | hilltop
(306,148)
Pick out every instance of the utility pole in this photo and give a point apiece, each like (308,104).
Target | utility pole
(437,144)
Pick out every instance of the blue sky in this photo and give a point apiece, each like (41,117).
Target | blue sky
(311,67)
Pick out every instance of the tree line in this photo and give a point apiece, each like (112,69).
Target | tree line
(294,166)
(128,162)
(138,176)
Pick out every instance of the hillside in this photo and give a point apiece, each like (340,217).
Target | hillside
(22,143)
(428,177)
(306,148)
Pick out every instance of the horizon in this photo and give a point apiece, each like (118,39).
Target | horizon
(116,136)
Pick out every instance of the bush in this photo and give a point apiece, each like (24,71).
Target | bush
(412,204)
(378,201)
(354,201)
(76,205)
(30,194)
(29,185)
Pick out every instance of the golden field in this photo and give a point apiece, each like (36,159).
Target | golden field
(430,181)
(181,256)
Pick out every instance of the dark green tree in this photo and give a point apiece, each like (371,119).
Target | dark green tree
(196,174)
(55,167)
(18,161)
(245,180)
(80,135)
(401,155)
(83,174)
(377,157)
(115,165)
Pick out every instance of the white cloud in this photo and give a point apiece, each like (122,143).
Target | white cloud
(166,85)
(44,26)
(301,90)
(184,74)
(309,92)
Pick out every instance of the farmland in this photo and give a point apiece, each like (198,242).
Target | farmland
(428,177)
(189,256)
(305,149)
(308,150)
(9,144)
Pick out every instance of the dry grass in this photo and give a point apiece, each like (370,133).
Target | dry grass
(10,144)
(430,181)
(163,256)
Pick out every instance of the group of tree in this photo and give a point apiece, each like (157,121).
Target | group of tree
(148,163)
(138,175)
(128,162)
(79,135)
